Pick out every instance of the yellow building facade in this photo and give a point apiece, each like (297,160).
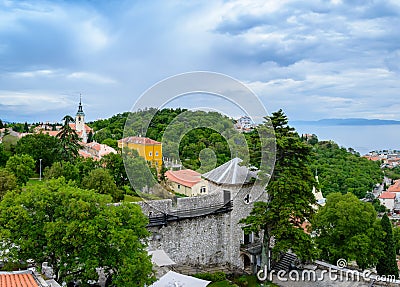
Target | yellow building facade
(147,148)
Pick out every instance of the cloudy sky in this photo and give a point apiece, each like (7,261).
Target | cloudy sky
(315,59)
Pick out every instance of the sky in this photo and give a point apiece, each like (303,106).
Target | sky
(314,59)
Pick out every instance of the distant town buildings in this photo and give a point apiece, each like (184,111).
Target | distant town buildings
(388,158)
(245,124)
(95,150)
(147,148)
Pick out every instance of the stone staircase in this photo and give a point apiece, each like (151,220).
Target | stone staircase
(286,261)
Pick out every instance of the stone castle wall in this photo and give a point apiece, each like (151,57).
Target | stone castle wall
(205,240)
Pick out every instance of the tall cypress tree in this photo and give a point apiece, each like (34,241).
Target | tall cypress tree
(290,196)
(387,264)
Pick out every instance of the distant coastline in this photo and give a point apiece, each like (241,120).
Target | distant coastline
(347,122)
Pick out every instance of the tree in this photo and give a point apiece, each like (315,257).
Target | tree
(101,181)
(62,169)
(396,236)
(387,264)
(40,146)
(76,231)
(26,127)
(4,155)
(115,165)
(69,140)
(290,196)
(1,124)
(22,166)
(347,228)
(8,181)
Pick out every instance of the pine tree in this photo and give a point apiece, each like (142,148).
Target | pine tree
(290,196)
(69,140)
(387,264)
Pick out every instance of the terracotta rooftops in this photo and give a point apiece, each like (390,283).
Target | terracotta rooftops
(139,140)
(395,187)
(186,177)
(18,279)
(387,195)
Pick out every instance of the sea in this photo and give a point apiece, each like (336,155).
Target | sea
(362,138)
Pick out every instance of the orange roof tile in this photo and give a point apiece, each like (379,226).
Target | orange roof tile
(395,187)
(139,140)
(388,195)
(11,279)
(186,177)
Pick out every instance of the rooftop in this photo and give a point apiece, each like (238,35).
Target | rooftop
(186,177)
(139,140)
(395,187)
(18,279)
(230,172)
(388,195)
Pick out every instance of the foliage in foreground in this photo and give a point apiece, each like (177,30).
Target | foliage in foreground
(76,231)
(348,228)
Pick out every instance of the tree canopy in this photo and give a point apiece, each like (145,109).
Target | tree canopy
(22,166)
(348,228)
(387,264)
(342,171)
(40,146)
(76,231)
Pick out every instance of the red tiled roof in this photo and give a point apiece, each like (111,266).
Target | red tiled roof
(87,128)
(186,177)
(388,195)
(373,158)
(9,279)
(395,187)
(139,140)
(50,133)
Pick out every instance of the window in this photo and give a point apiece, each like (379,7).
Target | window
(150,153)
(179,186)
(156,153)
(203,189)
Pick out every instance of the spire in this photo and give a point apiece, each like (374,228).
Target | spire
(80,109)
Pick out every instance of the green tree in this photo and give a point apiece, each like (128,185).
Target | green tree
(387,264)
(342,171)
(40,146)
(76,231)
(62,169)
(4,155)
(8,181)
(289,196)
(396,236)
(115,165)
(347,228)
(69,140)
(22,166)
(26,127)
(1,124)
(101,181)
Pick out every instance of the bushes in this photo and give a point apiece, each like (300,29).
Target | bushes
(214,277)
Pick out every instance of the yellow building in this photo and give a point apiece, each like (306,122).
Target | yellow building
(147,148)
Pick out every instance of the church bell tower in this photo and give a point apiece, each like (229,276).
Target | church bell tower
(80,118)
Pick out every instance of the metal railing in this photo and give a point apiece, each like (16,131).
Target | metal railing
(176,215)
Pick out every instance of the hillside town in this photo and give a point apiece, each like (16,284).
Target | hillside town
(196,227)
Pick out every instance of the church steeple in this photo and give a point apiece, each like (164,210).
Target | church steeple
(80,109)
(80,117)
